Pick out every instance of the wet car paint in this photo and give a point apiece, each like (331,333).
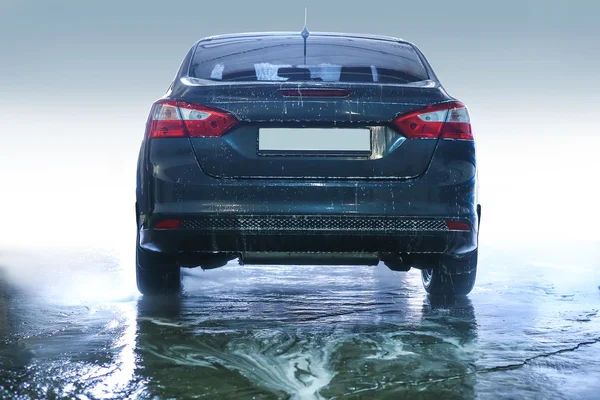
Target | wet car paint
(203,178)
(73,326)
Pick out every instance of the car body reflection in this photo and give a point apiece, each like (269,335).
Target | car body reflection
(293,335)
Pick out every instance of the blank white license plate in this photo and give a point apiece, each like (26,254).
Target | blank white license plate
(314,140)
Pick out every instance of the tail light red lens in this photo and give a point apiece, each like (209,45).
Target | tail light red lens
(458,226)
(168,224)
(171,118)
(441,121)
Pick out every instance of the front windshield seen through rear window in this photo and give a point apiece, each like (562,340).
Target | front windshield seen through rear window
(327,59)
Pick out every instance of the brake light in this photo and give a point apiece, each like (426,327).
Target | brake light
(172,118)
(315,92)
(441,121)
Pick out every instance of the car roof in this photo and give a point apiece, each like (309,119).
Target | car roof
(287,34)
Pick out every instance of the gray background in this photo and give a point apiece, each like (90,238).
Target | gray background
(77,79)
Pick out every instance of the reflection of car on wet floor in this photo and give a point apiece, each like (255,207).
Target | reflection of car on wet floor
(243,345)
(312,148)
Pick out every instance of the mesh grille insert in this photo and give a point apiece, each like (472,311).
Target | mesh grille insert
(299,223)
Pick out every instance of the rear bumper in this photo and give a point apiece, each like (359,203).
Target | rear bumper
(268,233)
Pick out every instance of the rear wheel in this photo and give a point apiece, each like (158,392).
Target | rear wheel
(451,277)
(156,273)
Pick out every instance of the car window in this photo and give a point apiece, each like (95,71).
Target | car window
(327,59)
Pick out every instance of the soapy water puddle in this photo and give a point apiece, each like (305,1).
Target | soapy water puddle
(75,327)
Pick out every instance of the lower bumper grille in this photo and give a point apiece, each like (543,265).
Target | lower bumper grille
(312,223)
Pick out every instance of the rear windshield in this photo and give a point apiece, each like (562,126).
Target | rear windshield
(327,59)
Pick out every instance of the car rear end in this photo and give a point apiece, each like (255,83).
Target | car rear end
(331,149)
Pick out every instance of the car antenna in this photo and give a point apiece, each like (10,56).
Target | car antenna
(305,33)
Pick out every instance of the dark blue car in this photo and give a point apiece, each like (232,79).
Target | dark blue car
(320,148)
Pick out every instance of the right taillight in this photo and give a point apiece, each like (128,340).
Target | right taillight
(458,226)
(441,121)
(172,119)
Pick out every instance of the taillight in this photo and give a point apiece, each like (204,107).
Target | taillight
(168,224)
(171,119)
(441,121)
(458,226)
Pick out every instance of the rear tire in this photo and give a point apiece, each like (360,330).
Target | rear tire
(156,273)
(452,277)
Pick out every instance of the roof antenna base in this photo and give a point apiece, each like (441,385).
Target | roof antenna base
(305,33)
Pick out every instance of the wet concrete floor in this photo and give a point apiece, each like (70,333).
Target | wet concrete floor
(72,325)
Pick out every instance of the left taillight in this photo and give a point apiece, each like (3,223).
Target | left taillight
(173,119)
(449,121)
(168,224)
